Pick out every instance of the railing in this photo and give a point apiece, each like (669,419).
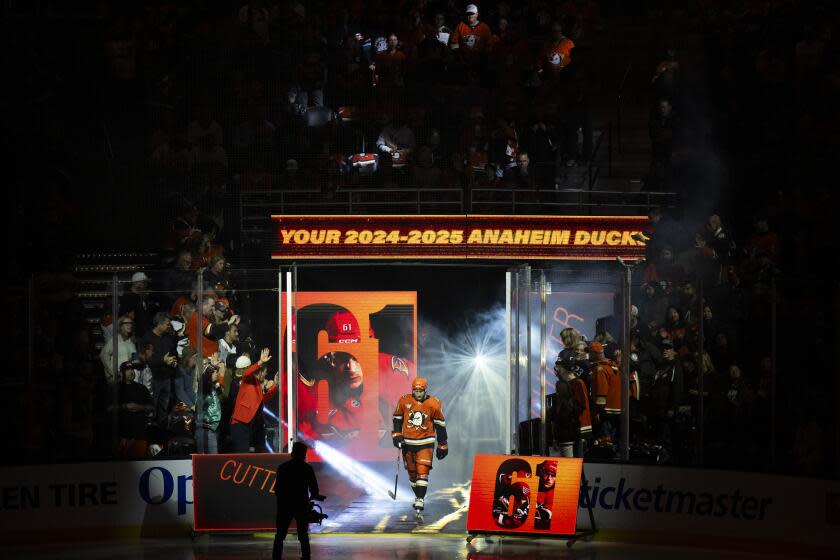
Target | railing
(349,200)
(504,201)
(256,208)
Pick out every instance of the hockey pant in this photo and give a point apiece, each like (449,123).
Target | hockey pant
(418,464)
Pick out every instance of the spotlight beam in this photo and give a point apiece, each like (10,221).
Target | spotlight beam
(353,471)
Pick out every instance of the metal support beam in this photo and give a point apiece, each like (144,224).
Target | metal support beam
(115,359)
(281,442)
(543,359)
(627,279)
(199,357)
(291,372)
(701,375)
(517,357)
(528,288)
(509,350)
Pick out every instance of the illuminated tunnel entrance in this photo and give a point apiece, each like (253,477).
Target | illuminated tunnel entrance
(483,328)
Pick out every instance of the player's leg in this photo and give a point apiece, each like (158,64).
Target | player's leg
(423,464)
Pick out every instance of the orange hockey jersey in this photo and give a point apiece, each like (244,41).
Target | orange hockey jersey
(606,386)
(581,395)
(419,422)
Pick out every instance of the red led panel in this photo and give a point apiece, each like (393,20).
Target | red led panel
(460,237)
(513,494)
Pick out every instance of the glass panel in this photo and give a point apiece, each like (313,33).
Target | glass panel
(582,304)
(364,333)
(452,331)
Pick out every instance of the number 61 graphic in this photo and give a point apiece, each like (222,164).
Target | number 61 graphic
(512,495)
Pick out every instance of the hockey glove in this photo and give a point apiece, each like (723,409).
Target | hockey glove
(442,451)
(398,440)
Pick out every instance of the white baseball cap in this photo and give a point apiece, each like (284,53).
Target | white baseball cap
(472,9)
(139,277)
(243,362)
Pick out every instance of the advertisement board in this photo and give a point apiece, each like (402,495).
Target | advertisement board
(41,502)
(235,492)
(516,495)
(634,503)
(356,355)
(459,237)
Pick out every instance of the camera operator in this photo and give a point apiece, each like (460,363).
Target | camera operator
(296,485)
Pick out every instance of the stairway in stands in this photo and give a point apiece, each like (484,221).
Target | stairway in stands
(629,55)
(633,45)
(95,273)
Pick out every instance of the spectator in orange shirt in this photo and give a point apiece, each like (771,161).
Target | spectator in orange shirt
(471,36)
(473,40)
(212,328)
(666,77)
(606,393)
(557,53)
(186,304)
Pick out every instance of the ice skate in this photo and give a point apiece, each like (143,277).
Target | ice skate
(418,510)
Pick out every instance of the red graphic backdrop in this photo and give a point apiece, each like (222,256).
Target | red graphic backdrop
(356,356)
(510,494)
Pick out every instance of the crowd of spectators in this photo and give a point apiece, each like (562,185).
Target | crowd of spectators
(753,102)
(704,306)
(753,97)
(280,95)
(163,376)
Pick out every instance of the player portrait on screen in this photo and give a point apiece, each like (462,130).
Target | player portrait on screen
(347,382)
(547,475)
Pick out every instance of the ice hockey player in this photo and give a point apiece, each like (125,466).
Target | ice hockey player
(418,422)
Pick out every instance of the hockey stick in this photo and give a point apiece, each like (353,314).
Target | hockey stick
(396,474)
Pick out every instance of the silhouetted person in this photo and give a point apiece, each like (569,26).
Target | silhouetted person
(295,486)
